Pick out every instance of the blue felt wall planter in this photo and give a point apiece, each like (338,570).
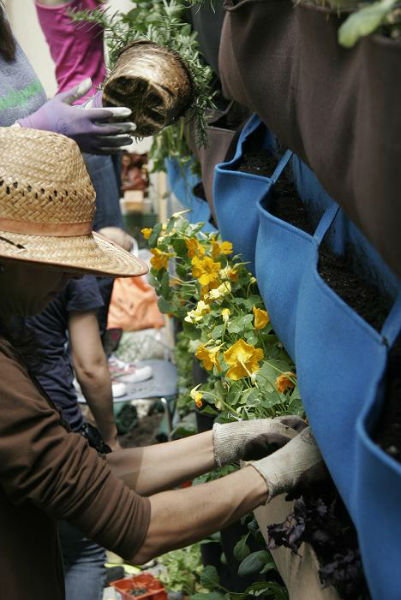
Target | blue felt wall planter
(236,194)
(281,250)
(182,184)
(378,501)
(341,362)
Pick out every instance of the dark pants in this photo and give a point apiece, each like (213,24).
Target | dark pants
(84,570)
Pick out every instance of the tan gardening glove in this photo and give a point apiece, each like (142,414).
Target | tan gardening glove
(250,440)
(296,465)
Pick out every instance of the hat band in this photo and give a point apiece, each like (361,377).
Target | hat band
(50,229)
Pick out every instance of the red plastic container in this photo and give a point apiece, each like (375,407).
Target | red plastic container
(142,581)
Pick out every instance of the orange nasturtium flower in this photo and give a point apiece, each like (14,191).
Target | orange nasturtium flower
(159,259)
(196,397)
(243,360)
(146,232)
(208,357)
(261,318)
(205,270)
(194,247)
(221,248)
(285,382)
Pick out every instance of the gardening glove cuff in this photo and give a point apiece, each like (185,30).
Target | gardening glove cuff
(299,463)
(249,440)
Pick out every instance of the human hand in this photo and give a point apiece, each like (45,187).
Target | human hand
(250,440)
(298,464)
(89,127)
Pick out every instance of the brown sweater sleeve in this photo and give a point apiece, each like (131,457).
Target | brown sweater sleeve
(42,463)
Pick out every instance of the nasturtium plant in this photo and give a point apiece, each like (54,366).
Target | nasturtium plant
(210,290)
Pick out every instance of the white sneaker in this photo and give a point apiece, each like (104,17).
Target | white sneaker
(118,389)
(128,372)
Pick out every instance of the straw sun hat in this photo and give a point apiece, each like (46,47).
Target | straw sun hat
(47,205)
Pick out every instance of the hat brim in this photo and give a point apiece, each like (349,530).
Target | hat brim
(88,254)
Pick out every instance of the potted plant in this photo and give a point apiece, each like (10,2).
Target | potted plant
(154,67)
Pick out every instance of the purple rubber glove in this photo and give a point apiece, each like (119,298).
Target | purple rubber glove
(89,127)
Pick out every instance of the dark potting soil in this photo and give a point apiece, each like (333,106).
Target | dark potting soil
(388,431)
(255,159)
(257,162)
(364,298)
(286,205)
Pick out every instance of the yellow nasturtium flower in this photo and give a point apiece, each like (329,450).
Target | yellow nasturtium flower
(194,316)
(194,247)
(196,397)
(243,360)
(229,273)
(217,293)
(146,232)
(208,357)
(285,382)
(159,259)
(261,318)
(221,248)
(205,270)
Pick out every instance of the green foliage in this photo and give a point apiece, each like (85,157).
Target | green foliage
(255,562)
(182,570)
(365,21)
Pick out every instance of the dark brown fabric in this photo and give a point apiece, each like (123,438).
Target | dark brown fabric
(338,109)
(221,131)
(47,473)
(207,21)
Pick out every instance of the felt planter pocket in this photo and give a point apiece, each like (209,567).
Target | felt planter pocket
(237,193)
(378,501)
(281,252)
(377,504)
(336,108)
(341,361)
(183,184)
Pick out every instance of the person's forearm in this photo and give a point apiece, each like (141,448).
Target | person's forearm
(151,469)
(183,517)
(97,390)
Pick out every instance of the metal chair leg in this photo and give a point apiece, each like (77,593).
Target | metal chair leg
(168,415)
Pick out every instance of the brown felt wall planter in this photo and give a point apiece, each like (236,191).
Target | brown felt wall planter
(338,109)
(221,131)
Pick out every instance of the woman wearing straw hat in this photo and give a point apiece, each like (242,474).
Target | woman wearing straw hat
(49,473)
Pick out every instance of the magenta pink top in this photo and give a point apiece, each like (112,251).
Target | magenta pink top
(76,48)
